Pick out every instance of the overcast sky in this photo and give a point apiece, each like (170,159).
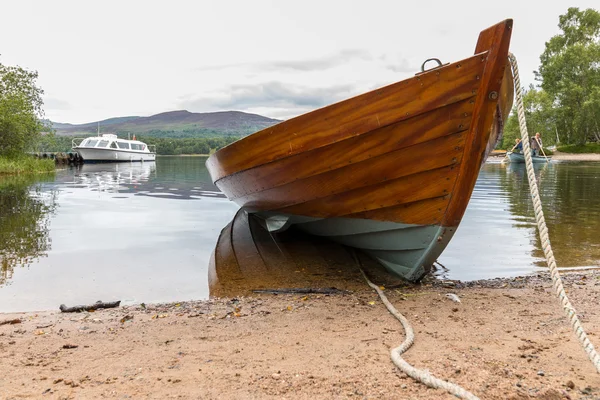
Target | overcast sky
(276,58)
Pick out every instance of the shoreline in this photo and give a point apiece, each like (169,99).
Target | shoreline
(575,156)
(558,156)
(507,339)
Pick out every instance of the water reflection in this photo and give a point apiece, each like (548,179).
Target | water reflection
(24,222)
(136,232)
(571,197)
(172,180)
(122,232)
(247,257)
(497,238)
(498,235)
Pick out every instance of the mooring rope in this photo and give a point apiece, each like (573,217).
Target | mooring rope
(424,376)
(396,353)
(543,230)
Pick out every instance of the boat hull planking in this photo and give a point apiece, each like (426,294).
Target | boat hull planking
(389,172)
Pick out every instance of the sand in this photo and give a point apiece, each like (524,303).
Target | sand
(507,339)
(575,157)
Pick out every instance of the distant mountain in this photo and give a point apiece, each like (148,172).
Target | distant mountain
(175,123)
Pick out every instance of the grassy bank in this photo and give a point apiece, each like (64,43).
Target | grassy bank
(579,149)
(25,165)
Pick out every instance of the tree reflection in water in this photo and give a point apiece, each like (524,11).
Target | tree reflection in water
(570,196)
(24,222)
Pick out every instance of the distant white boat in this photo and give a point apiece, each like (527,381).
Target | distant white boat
(109,148)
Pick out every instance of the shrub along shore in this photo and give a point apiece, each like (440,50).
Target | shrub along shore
(25,165)
(581,148)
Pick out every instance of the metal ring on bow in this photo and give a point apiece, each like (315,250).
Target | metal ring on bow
(430,59)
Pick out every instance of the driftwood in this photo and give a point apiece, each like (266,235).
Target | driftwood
(92,307)
(11,321)
(331,290)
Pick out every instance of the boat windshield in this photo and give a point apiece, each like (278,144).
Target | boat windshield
(91,143)
(123,145)
(103,143)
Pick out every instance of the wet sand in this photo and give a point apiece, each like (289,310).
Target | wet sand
(507,339)
(575,157)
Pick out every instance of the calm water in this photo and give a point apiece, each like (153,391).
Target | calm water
(145,232)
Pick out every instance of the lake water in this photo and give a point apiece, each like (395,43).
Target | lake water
(145,232)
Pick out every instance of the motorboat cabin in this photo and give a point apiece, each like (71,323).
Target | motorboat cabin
(109,148)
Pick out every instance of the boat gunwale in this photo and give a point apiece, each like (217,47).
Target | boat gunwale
(213,163)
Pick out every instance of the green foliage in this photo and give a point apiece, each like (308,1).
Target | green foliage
(565,108)
(174,146)
(25,164)
(577,148)
(20,110)
(570,75)
(540,116)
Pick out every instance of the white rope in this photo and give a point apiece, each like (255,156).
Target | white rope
(424,376)
(543,230)
(396,353)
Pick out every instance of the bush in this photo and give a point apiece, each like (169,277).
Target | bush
(578,148)
(20,110)
(25,164)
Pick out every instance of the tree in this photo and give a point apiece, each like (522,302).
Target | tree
(570,75)
(540,116)
(21,110)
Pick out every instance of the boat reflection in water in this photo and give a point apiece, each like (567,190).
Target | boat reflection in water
(248,257)
(139,179)
(114,177)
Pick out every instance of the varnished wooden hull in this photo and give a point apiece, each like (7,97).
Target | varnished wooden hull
(390,165)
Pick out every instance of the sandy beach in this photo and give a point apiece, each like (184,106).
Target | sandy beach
(507,339)
(576,157)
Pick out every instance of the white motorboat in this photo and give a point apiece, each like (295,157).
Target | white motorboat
(109,148)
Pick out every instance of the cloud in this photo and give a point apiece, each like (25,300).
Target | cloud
(397,63)
(322,63)
(403,67)
(52,103)
(272,94)
(309,64)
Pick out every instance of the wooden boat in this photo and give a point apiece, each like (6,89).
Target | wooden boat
(389,172)
(520,158)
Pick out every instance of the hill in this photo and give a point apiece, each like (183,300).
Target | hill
(174,124)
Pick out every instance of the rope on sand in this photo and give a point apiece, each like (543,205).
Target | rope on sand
(424,376)
(396,353)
